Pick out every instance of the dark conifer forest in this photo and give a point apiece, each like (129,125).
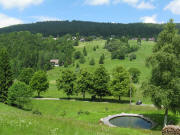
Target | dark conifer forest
(59,28)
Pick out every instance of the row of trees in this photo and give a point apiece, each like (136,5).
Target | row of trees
(19,93)
(98,83)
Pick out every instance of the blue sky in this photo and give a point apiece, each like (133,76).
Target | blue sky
(116,11)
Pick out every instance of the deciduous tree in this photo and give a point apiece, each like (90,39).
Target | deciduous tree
(66,82)
(39,82)
(101,79)
(163,87)
(84,82)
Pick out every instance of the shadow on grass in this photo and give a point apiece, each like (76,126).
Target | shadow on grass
(159,119)
(97,100)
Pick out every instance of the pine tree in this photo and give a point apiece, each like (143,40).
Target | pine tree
(92,62)
(6,76)
(84,51)
(101,60)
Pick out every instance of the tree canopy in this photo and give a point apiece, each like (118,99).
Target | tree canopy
(163,87)
(84,28)
(39,82)
(6,76)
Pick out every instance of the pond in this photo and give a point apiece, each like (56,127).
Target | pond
(131,122)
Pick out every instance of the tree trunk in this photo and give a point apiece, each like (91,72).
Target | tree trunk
(100,98)
(119,98)
(38,94)
(84,95)
(165,117)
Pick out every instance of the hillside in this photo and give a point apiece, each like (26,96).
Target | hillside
(144,51)
(60,28)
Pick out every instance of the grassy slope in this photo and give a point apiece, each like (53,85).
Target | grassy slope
(77,117)
(139,63)
(72,118)
(62,117)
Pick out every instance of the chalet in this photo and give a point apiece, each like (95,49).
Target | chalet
(55,62)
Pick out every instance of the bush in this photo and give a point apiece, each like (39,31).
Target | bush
(132,57)
(94,48)
(92,62)
(36,112)
(118,55)
(135,73)
(76,43)
(19,95)
(77,55)
(82,59)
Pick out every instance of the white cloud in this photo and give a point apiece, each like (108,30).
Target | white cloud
(140,4)
(145,5)
(149,19)
(7,21)
(21,4)
(45,18)
(97,2)
(174,7)
(130,2)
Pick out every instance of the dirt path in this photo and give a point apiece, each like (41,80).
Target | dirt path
(55,99)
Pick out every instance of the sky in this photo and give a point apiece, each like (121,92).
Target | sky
(114,11)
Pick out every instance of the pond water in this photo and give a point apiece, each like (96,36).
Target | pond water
(131,122)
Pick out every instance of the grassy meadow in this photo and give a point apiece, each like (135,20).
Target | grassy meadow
(76,117)
(144,51)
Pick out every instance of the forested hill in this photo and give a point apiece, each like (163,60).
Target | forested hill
(60,28)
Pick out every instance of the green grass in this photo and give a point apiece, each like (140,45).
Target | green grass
(76,117)
(64,118)
(144,51)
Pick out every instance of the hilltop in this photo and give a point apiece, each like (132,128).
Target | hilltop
(84,28)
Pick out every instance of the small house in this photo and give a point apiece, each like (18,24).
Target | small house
(55,62)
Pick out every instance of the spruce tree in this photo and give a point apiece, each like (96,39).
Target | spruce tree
(101,60)
(6,76)
(84,51)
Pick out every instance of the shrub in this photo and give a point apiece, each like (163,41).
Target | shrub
(132,57)
(82,59)
(135,73)
(92,62)
(77,55)
(94,48)
(19,94)
(36,112)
